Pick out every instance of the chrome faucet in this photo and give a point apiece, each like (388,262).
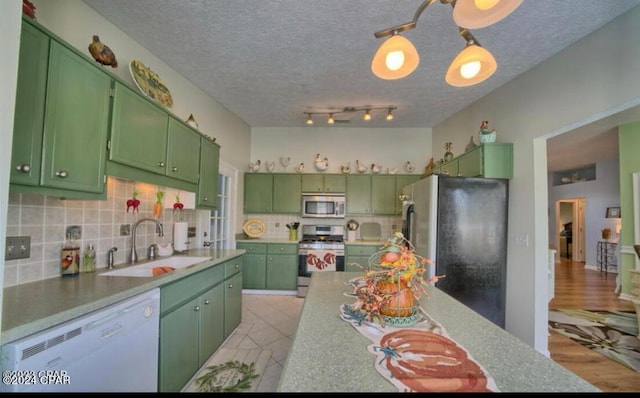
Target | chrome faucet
(134,256)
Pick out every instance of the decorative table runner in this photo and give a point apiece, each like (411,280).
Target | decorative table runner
(420,358)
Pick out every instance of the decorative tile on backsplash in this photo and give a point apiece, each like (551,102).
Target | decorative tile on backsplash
(45,219)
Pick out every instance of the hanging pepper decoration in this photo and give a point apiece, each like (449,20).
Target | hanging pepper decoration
(157,207)
(177,205)
(133,202)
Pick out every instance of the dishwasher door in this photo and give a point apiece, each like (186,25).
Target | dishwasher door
(113,349)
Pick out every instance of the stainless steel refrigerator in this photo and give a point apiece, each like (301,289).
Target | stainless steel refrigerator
(460,223)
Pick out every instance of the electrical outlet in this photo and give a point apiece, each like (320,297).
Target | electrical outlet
(191,232)
(17,247)
(125,229)
(277,225)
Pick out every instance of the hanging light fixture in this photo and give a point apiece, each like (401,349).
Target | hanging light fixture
(397,57)
(473,65)
(351,109)
(476,14)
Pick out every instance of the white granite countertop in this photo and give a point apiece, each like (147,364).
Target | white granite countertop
(330,355)
(35,306)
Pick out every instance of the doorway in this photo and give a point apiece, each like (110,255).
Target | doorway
(570,234)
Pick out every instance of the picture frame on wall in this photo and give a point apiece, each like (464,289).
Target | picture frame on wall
(613,212)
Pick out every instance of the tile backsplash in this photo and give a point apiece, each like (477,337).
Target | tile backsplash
(45,219)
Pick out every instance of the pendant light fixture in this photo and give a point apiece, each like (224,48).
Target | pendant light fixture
(397,57)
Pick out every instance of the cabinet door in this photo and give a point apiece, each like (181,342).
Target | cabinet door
(450,169)
(211,322)
(232,303)
(497,160)
(26,151)
(255,271)
(138,132)
(208,182)
(401,182)
(286,193)
(335,183)
(358,198)
(76,123)
(258,193)
(312,183)
(282,272)
(183,152)
(383,195)
(179,349)
(470,164)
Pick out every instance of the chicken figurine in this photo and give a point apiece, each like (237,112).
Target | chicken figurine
(270,166)
(255,166)
(409,167)
(361,168)
(346,168)
(321,163)
(102,53)
(300,168)
(375,168)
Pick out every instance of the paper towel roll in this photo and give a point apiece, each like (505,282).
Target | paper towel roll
(180,238)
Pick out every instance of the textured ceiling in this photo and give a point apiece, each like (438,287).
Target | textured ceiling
(269,61)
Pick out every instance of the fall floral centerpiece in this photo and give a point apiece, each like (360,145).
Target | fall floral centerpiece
(394,280)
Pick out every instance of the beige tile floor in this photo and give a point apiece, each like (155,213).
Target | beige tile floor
(268,323)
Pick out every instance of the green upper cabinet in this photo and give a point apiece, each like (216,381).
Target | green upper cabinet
(383,195)
(207,196)
(75,124)
(324,183)
(287,193)
(61,119)
(258,193)
(183,152)
(138,132)
(358,197)
(491,160)
(26,152)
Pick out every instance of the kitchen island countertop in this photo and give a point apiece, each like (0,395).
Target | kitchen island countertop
(330,355)
(35,306)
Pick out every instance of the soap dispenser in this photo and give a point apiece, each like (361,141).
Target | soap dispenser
(89,260)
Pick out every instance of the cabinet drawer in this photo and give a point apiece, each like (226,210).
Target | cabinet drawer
(282,248)
(186,288)
(232,267)
(360,250)
(252,248)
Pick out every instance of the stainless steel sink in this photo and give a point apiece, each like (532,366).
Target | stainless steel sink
(146,269)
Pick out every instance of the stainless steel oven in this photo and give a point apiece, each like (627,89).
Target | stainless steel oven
(320,250)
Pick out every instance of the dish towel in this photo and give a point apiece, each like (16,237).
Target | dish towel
(421,358)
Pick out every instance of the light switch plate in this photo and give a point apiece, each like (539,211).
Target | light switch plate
(17,247)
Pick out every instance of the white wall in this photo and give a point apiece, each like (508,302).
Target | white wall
(594,78)
(599,194)
(76,23)
(389,147)
(9,46)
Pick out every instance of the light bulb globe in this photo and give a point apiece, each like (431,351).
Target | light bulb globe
(388,51)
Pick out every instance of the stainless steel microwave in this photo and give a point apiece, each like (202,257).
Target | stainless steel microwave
(323,206)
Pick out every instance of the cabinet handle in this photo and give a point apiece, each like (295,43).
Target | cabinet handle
(206,302)
(174,168)
(196,308)
(237,265)
(62,174)
(282,248)
(230,285)
(206,199)
(160,164)
(25,168)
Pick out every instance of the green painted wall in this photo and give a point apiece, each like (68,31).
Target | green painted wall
(629,142)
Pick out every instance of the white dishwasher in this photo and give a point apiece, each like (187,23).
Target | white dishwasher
(113,349)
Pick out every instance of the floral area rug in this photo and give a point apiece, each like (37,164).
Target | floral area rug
(610,333)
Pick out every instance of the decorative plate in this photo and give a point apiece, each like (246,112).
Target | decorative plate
(150,83)
(254,228)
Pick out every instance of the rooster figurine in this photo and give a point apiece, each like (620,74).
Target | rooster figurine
(300,168)
(270,166)
(375,168)
(321,163)
(102,53)
(360,167)
(255,166)
(346,168)
(409,167)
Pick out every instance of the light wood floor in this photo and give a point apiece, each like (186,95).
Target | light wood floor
(580,288)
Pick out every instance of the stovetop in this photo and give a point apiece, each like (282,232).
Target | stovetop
(322,239)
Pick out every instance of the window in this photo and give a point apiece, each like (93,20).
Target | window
(221,221)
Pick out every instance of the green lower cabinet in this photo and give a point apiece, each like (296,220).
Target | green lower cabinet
(282,266)
(212,331)
(254,274)
(232,303)
(358,254)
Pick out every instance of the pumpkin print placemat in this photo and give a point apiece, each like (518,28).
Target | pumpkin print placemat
(421,358)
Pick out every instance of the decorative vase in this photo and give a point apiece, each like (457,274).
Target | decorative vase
(402,302)
(293,234)
(448,155)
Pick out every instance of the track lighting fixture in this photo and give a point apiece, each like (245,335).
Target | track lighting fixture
(397,57)
(351,109)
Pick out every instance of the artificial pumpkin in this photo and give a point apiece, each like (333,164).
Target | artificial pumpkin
(401,300)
